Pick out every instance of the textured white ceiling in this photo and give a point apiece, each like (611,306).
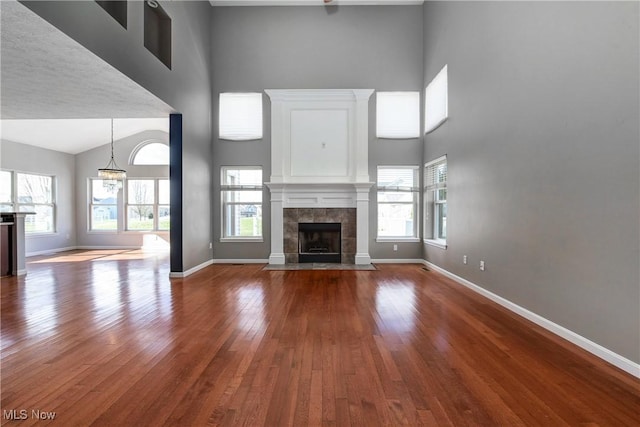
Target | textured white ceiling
(48,75)
(45,74)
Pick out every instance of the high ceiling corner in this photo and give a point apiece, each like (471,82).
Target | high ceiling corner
(48,75)
(314,2)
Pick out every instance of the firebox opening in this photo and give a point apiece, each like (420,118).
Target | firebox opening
(319,242)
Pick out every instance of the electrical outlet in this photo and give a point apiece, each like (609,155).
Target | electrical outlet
(395,247)
(210,245)
(481,265)
(464,259)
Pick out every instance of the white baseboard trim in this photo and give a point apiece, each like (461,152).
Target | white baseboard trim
(50,251)
(277,259)
(240,261)
(615,359)
(189,272)
(21,272)
(397,261)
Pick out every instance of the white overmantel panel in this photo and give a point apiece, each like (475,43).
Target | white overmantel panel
(319,135)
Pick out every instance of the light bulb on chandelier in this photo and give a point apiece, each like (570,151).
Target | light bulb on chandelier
(111,174)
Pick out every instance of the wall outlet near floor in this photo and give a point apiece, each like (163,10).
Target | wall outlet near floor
(464,259)
(210,245)
(481,265)
(395,247)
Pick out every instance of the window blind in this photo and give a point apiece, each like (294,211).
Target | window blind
(397,179)
(240,116)
(398,115)
(241,178)
(436,174)
(436,101)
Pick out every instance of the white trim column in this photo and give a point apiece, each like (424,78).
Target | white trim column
(362,218)
(362,134)
(277,224)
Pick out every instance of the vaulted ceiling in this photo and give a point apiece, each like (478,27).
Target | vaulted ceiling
(51,85)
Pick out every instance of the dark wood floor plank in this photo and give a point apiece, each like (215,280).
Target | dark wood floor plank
(105,338)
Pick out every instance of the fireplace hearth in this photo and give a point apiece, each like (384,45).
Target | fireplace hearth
(319,242)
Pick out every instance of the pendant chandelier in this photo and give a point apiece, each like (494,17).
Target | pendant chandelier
(112,175)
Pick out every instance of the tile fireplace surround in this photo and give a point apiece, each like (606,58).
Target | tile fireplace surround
(345,216)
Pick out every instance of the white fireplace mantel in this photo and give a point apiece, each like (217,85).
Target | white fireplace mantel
(319,158)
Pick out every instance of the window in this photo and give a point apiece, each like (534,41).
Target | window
(398,202)
(436,201)
(436,101)
(6,191)
(103,207)
(157,31)
(240,116)
(241,203)
(148,204)
(398,115)
(150,153)
(117,9)
(25,192)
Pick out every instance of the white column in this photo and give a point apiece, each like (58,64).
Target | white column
(277,224)
(362,217)
(362,134)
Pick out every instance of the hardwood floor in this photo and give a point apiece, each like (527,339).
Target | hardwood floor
(105,338)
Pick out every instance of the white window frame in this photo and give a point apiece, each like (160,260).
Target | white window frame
(15,204)
(431,188)
(223,204)
(133,158)
(10,205)
(415,190)
(155,206)
(92,205)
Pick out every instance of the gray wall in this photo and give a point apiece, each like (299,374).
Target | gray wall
(261,48)
(186,87)
(27,158)
(543,154)
(87,164)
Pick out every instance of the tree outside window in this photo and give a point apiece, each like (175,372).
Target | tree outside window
(34,193)
(148,204)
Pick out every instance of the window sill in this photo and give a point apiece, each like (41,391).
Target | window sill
(442,244)
(145,231)
(397,239)
(127,231)
(241,239)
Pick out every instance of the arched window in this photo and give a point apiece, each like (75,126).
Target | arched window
(150,152)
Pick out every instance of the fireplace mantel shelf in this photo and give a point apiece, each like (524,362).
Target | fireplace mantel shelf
(318,186)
